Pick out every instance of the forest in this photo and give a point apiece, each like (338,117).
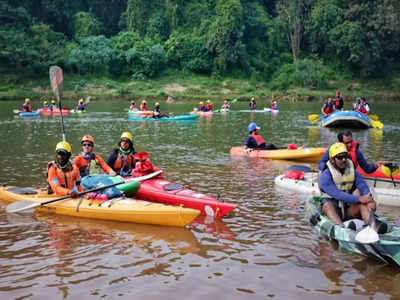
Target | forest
(281,43)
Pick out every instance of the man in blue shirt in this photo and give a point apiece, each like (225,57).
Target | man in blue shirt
(344,193)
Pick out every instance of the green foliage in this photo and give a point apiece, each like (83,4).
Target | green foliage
(136,15)
(86,25)
(158,29)
(79,86)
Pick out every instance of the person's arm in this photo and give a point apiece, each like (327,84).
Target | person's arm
(106,168)
(360,184)
(250,143)
(322,162)
(327,185)
(55,183)
(368,168)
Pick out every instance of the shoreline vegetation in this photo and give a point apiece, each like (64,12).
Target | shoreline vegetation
(184,87)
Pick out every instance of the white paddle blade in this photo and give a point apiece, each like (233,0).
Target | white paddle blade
(367,236)
(20,205)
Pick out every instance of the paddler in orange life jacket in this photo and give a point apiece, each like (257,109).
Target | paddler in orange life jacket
(255,141)
(143,105)
(121,160)
(26,107)
(88,162)
(62,175)
(327,108)
(209,106)
(346,137)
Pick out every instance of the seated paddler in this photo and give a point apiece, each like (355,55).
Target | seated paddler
(255,141)
(121,159)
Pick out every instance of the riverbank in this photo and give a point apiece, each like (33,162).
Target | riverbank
(181,86)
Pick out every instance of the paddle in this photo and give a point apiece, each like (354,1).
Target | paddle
(312,117)
(56,82)
(368,235)
(17,111)
(24,205)
(373,117)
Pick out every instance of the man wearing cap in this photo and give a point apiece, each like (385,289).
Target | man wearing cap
(255,141)
(344,193)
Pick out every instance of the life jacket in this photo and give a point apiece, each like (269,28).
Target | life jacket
(328,108)
(27,107)
(65,176)
(124,164)
(93,167)
(259,139)
(345,181)
(208,107)
(225,106)
(143,106)
(252,105)
(363,109)
(156,112)
(81,106)
(143,165)
(274,106)
(133,106)
(337,103)
(352,152)
(202,108)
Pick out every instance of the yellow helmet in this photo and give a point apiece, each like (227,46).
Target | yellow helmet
(252,98)
(201,102)
(27,100)
(337,148)
(226,101)
(127,135)
(87,138)
(390,169)
(64,146)
(157,104)
(80,100)
(208,101)
(144,101)
(53,102)
(44,102)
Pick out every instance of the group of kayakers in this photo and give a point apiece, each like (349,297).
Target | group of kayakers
(64,175)
(337,104)
(156,113)
(362,106)
(205,107)
(26,107)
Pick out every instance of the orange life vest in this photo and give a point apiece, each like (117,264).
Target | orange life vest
(352,152)
(124,162)
(61,180)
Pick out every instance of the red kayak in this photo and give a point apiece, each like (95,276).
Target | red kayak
(55,111)
(378,174)
(164,191)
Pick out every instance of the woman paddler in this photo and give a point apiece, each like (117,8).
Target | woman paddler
(121,159)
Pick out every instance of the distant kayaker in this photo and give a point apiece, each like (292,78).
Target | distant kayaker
(157,112)
(346,137)
(52,105)
(209,106)
(274,105)
(26,107)
(121,159)
(255,141)
(88,162)
(202,107)
(143,105)
(226,105)
(45,104)
(252,104)
(344,193)
(357,105)
(81,105)
(170,99)
(133,105)
(364,106)
(327,108)
(62,175)
(339,104)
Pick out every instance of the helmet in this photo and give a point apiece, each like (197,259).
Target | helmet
(87,138)
(337,148)
(208,101)
(253,126)
(53,101)
(226,101)
(127,135)
(252,99)
(390,169)
(27,100)
(133,102)
(44,102)
(64,146)
(157,104)
(201,102)
(80,100)
(144,101)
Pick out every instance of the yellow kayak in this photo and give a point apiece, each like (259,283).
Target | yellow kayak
(304,154)
(117,209)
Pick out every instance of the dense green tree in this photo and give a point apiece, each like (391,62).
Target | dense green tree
(85,25)
(137,15)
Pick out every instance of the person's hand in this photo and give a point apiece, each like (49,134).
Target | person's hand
(112,173)
(364,199)
(247,150)
(379,163)
(73,194)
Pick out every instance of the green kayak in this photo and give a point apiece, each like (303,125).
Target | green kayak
(386,249)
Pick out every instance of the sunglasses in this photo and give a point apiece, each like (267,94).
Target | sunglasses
(341,157)
(124,141)
(62,152)
(87,145)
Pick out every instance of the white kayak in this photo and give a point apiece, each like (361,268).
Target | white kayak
(385,191)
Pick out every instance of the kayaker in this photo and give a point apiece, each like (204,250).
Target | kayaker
(62,175)
(81,105)
(327,108)
(133,105)
(202,107)
(121,159)
(209,106)
(52,105)
(357,105)
(226,105)
(252,104)
(170,99)
(45,104)
(339,104)
(346,137)
(157,112)
(143,105)
(344,193)
(255,141)
(88,162)
(364,106)
(26,107)
(274,105)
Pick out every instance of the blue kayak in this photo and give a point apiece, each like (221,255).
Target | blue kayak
(346,119)
(35,113)
(175,118)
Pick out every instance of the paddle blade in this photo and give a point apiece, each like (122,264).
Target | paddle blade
(313,117)
(373,117)
(234,101)
(377,124)
(367,236)
(16,111)
(20,205)
(316,121)
(56,81)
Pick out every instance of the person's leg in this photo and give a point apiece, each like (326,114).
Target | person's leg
(330,210)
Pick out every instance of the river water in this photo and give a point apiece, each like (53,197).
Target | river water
(264,249)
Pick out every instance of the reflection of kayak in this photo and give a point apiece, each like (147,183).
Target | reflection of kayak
(346,119)
(202,113)
(164,191)
(213,226)
(171,118)
(117,209)
(55,111)
(386,249)
(253,110)
(34,113)
(385,192)
(305,154)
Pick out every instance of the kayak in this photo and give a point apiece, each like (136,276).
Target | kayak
(346,119)
(55,111)
(271,110)
(386,249)
(202,113)
(377,174)
(116,209)
(164,191)
(305,154)
(34,113)
(142,113)
(254,110)
(385,192)
(172,118)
